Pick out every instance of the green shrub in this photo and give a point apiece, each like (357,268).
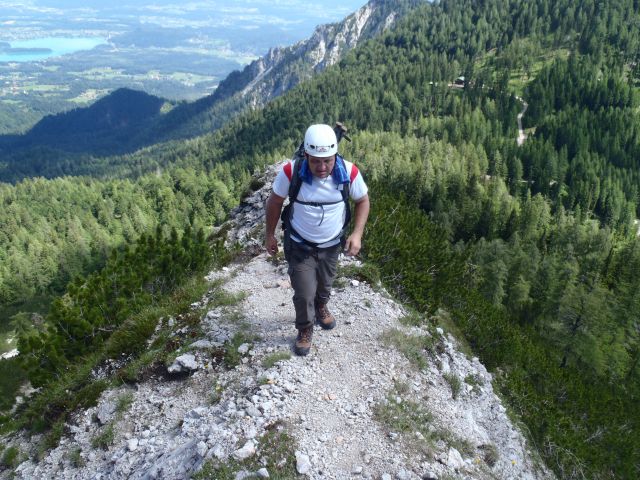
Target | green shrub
(12,376)
(51,439)
(75,389)
(95,307)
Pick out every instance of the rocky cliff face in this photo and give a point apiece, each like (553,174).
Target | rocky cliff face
(283,68)
(280,70)
(377,398)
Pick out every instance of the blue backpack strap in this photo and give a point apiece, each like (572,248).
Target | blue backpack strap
(346,183)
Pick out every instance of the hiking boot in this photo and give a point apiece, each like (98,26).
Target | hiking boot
(303,341)
(324,317)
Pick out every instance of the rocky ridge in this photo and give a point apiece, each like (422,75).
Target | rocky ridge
(356,407)
(284,67)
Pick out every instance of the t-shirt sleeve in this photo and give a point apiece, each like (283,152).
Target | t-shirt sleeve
(358,188)
(281,184)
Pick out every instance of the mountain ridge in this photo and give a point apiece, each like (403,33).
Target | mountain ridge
(525,246)
(336,406)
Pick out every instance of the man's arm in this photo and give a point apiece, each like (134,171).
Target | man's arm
(273,207)
(354,241)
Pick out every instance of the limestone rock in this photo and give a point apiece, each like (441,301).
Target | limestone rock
(303,463)
(454,459)
(247,451)
(183,363)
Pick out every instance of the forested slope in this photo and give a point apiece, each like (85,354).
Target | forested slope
(54,230)
(530,249)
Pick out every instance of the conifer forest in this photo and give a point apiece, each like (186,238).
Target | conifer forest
(530,246)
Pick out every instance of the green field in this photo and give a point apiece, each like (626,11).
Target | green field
(88,96)
(523,59)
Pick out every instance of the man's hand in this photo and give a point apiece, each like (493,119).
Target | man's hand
(354,241)
(353,245)
(271,244)
(273,207)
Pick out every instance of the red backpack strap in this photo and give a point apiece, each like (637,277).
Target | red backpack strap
(354,173)
(288,171)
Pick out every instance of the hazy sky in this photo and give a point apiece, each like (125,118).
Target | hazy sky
(248,25)
(282,12)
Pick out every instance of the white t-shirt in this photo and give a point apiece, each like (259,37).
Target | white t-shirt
(320,224)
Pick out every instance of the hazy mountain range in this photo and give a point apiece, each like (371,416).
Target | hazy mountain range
(173,50)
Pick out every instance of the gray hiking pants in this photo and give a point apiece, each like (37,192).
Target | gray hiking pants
(311,271)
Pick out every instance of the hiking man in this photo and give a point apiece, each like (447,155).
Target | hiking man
(314,224)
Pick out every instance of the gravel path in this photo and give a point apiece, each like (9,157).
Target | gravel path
(521,135)
(350,371)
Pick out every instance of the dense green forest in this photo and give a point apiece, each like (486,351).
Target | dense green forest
(532,250)
(54,230)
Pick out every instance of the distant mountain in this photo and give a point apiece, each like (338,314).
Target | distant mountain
(104,127)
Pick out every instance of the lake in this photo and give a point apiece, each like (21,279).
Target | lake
(43,48)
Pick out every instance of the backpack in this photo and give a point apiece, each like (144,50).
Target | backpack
(293,173)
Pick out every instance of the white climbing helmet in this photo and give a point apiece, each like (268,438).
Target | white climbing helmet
(320,141)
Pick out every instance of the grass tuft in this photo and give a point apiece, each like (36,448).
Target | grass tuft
(275,452)
(105,438)
(10,458)
(414,420)
(75,458)
(366,273)
(232,357)
(404,416)
(475,381)
(124,402)
(415,348)
(454,383)
(216,394)
(222,298)
(273,358)
(413,319)
(491,454)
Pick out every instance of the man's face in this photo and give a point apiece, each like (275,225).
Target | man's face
(321,167)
